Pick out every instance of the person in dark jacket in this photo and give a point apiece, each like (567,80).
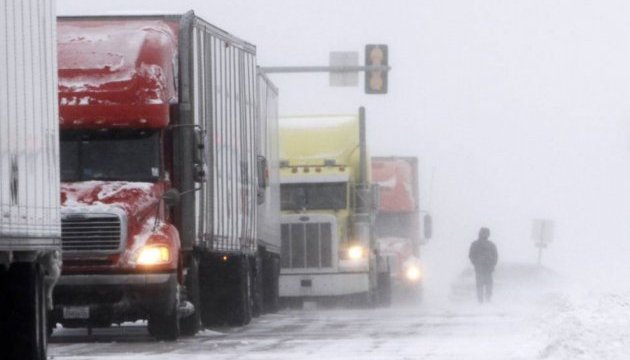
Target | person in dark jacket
(483,255)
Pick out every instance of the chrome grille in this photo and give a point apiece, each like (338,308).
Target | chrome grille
(307,245)
(94,233)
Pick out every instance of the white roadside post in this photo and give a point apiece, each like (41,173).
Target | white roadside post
(542,234)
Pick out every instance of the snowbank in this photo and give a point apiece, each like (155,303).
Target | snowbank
(589,326)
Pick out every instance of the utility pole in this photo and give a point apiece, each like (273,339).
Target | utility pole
(326,69)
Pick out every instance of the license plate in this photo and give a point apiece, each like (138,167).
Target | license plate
(76,312)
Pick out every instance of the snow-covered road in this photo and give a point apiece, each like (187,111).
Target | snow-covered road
(550,327)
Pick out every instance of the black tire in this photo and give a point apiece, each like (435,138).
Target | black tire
(418,294)
(271,290)
(209,299)
(43,311)
(240,308)
(362,300)
(384,289)
(4,304)
(164,325)
(50,326)
(25,329)
(190,325)
(257,286)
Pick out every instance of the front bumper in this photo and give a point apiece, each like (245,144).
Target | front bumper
(329,284)
(114,298)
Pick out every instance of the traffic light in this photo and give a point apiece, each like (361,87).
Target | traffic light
(376,80)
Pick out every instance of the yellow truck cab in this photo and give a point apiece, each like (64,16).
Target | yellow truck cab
(328,207)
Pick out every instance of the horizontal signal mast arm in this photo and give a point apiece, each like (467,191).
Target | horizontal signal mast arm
(310,69)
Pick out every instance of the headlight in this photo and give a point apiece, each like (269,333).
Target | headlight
(355,252)
(412,273)
(153,255)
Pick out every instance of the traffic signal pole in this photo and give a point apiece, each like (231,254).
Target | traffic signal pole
(325,69)
(343,69)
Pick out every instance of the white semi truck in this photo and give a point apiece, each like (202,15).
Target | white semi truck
(29,175)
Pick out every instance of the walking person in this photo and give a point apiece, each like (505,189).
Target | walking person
(483,255)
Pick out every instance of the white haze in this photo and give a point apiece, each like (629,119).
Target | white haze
(517,110)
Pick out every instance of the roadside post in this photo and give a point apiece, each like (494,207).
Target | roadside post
(542,234)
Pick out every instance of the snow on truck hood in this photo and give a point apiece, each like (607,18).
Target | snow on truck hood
(129,196)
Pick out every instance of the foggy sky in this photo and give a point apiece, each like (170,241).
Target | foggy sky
(517,109)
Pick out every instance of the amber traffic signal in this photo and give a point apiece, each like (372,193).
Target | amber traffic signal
(376,80)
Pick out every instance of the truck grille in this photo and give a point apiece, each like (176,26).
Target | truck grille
(100,233)
(307,245)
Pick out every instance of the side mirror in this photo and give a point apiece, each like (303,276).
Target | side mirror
(198,159)
(171,197)
(427,226)
(376,197)
(262,169)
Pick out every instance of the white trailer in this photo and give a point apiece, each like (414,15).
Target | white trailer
(268,196)
(29,175)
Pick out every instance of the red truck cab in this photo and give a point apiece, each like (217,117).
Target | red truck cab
(121,251)
(398,222)
(167,212)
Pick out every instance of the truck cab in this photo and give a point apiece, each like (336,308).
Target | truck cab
(327,209)
(169,175)
(398,226)
(117,87)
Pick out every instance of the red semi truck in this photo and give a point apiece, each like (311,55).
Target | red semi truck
(164,175)
(398,225)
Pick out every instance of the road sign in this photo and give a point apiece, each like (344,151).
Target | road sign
(542,231)
(542,234)
(342,59)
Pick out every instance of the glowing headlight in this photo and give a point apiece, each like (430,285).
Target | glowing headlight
(355,252)
(153,255)
(412,273)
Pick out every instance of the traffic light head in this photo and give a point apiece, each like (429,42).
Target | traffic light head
(376,80)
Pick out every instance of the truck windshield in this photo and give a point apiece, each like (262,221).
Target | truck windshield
(315,196)
(120,155)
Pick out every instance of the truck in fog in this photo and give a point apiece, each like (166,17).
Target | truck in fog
(398,222)
(328,206)
(164,175)
(29,176)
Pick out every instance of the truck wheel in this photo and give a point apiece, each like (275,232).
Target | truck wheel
(4,303)
(26,331)
(190,325)
(361,300)
(384,289)
(43,312)
(257,286)
(50,326)
(272,284)
(240,309)
(164,325)
(418,294)
(209,303)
